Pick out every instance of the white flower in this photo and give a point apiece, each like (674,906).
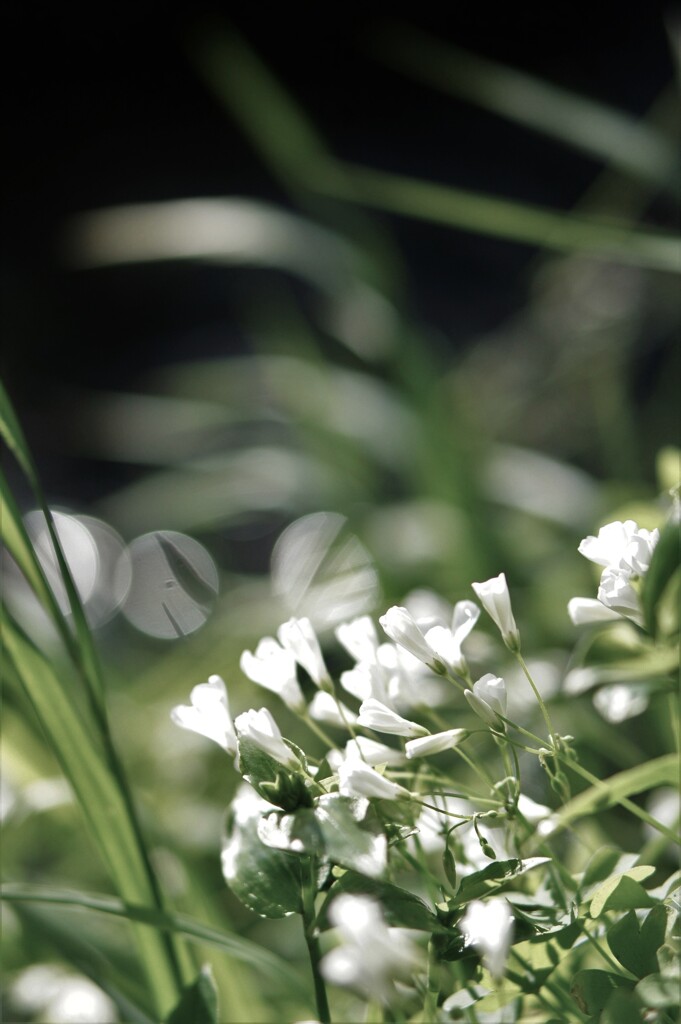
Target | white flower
(359,638)
(621,546)
(401,627)
(496,601)
(488,699)
(260,728)
(358,779)
(616,592)
(489,927)
(447,642)
(298,637)
(274,668)
(208,714)
(584,611)
(618,702)
(374,715)
(324,708)
(435,744)
(366,679)
(371,955)
(370,751)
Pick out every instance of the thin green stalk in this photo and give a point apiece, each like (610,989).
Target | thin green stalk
(540,701)
(309,892)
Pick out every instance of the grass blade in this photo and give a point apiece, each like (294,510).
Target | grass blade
(236,946)
(85,765)
(501,218)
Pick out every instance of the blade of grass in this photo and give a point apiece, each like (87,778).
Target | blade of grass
(101,798)
(500,218)
(607,134)
(663,771)
(236,946)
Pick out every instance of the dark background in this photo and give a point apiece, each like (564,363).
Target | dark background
(109,108)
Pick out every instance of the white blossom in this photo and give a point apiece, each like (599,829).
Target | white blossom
(488,926)
(359,638)
(616,592)
(356,778)
(584,611)
(362,748)
(624,547)
(208,715)
(435,744)
(274,668)
(488,699)
(367,679)
(260,728)
(496,601)
(375,715)
(370,956)
(402,627)
(299,637)
(447,642)
(324,708)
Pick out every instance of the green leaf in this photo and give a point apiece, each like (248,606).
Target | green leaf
(479,883)
(662,771)
(621,1008)
(267,880)
(636,946)
(605,862)
(664,563)
(84,760)
(622,892)
(12,434)
(659,991)
(352,834)
(591,990)
(238,948)
(402,909)
(199,1002)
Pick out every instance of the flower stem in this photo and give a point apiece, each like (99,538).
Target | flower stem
(542,705)
(308,892)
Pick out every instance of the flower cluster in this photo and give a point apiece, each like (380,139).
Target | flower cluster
(624,550)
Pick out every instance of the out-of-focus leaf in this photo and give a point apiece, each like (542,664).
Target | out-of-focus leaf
(502,218)
(622,892)
(238,947)
(268,881)
(591,989)
(479,883)
(622,1008)
(662,771)
(636,946)
(659,991)
(199,1002)
(402,909)
(665,562)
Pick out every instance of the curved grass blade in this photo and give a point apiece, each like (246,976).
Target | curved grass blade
(238,948)
(103,801)
(607,134)
(500,218)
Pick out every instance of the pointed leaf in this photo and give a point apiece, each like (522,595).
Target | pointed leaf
(268,881)
(352,833)
(664,563)
(479,883)
(591,990)
(402,909)
(622,892)
(199,1002)
(636,947)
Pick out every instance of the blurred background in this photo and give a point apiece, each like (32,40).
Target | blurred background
(306,314)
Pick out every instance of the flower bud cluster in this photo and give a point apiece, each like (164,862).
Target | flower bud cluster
(625,551)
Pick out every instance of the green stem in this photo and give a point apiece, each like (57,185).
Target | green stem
(542,705)
(317,730)
(309,892)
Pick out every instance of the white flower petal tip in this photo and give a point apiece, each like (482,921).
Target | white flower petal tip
(299,637)
(435,744)
(326,709)
(362,748)
(402,628)
(208,714)
(488,699)
(488,926)
(496,601)
(375,715)
(359,638)
(587,611)
(259,728)
(355,779)
(274,668)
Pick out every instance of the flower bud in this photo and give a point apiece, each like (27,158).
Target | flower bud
(357,779)
(374,715)
(435,744)
(496,601)
(208,714)
(260,728)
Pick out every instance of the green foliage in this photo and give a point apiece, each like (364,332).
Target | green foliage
(199,1002)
